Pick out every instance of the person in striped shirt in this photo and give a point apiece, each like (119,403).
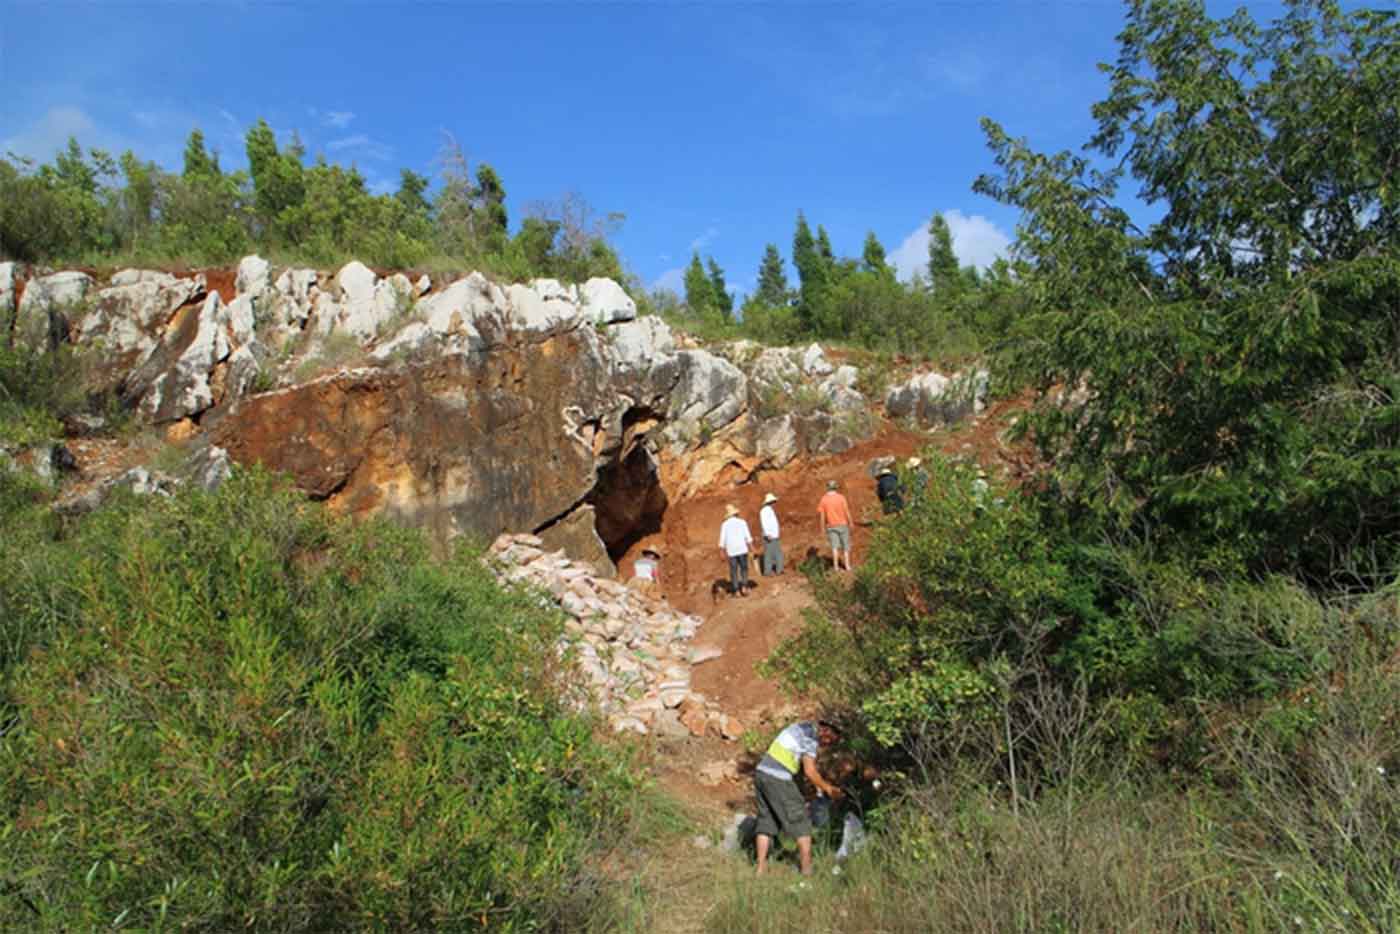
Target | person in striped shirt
(780,803)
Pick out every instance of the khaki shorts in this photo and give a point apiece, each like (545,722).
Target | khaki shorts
(780,807)
(839,536)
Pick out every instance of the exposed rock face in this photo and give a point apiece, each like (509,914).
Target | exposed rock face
(8,277)
(465,407)
(128,318)
(932,398)
(47,307)
(577,536)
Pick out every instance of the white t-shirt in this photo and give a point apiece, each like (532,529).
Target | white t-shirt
(644,569)
(734,537)
(800,740)
(768,520)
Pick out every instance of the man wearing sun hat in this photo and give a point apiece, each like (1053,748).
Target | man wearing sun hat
(918,478)
(768,528)
(735,541)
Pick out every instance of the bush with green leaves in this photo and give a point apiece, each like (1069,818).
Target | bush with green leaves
(1235,360)
(976,615)
(231,710)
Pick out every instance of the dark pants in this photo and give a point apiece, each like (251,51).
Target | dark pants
(772,556)
(738,573)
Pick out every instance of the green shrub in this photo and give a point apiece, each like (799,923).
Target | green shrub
(978,626)
(236,711)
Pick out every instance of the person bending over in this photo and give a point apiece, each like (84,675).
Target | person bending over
(780,803)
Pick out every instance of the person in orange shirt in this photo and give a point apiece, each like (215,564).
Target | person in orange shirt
(835,514)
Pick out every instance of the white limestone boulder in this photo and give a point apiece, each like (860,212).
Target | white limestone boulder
(254,277)
(467,315)
(638,345)
(814,361)
(7,295)
(709,394)
(777,440)
(932,398)
(183,390)
(129,317)
(603,301)
(541,309)
(61,293)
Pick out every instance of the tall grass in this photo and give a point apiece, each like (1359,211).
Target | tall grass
(232,710)
(1288,821)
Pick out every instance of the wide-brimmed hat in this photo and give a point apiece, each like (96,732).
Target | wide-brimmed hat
(770,498)
(914,462)
(731,510)
(651,551)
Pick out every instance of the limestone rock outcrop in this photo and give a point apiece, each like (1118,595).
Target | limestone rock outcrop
(464,406)
(932,399)
(47,307)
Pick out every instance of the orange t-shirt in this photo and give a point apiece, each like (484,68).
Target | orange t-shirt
(834,510)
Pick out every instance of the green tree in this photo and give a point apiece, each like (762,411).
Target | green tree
(198,162)
(943,273)
(1237,356)
(873,257)
(137,203)
(699,288)
(412,193)
(812,271)
(772,279)
(491,204)
(719,292)
(278,178)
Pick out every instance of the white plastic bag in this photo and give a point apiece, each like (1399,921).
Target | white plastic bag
(853,838)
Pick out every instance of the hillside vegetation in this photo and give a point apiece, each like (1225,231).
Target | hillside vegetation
(1155,688)
(232,711)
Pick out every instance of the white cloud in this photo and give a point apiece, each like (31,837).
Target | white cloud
(50,134)
(976,241)
(340,119)
(672,280)
(705,239)
(361,144)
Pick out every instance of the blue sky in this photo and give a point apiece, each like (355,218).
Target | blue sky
(709,125)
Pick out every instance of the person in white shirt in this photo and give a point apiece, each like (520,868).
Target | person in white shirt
(735,541)
(646,572)
(768,528)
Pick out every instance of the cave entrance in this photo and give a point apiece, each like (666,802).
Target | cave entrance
(628,500)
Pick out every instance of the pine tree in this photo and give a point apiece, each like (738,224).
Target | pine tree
(491,204)
(943,274)
(828,255)
(198,162)
(873,256)
(811,273)
(772,279)
(699,291)
(719,292)
(278,177)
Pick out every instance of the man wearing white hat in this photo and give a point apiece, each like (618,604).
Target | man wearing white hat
(768,527)
(918,478)
(735,541)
